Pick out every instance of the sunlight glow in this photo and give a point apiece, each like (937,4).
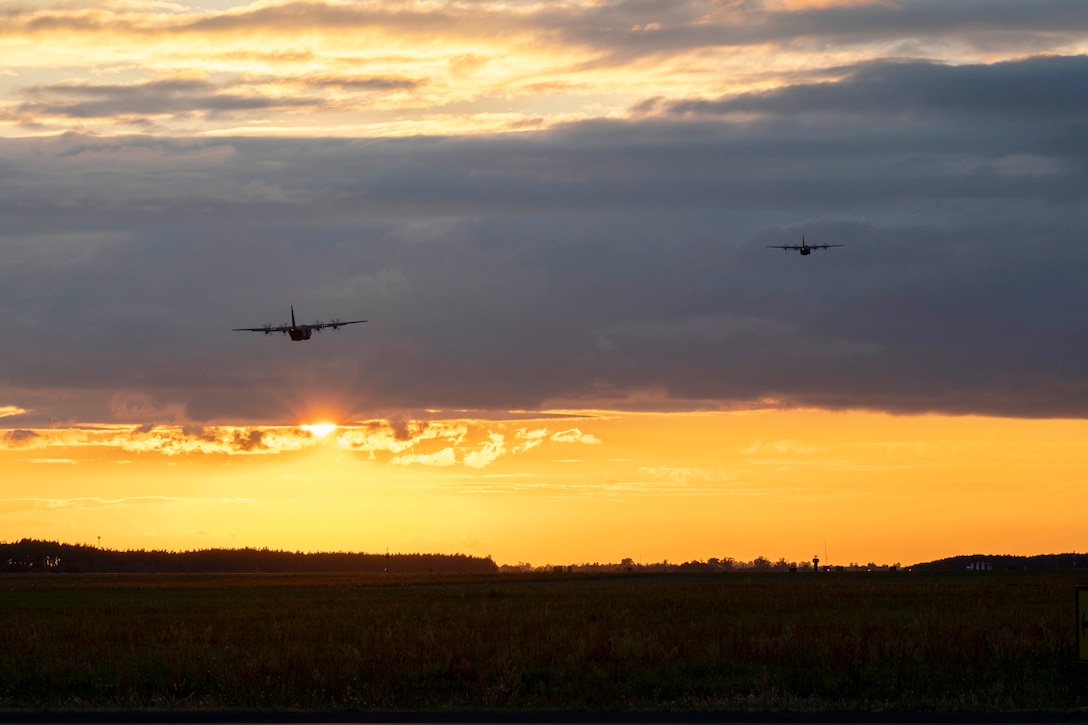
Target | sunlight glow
(319,430)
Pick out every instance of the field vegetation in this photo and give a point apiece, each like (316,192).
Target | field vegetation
(887,641)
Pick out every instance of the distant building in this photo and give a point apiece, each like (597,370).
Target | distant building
(980,566)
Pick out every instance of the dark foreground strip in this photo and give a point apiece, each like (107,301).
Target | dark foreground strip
(227,717)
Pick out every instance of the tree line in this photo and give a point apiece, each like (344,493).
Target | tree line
(713,564)
(30,555)
(1041,562)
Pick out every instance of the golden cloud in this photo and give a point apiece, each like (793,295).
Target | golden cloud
(475,444)
(574,435)
(489,453)
(442,458)
(398,68)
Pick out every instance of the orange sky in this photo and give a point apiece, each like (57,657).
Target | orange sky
(597,487)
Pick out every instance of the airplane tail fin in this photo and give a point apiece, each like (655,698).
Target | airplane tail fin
(293,316)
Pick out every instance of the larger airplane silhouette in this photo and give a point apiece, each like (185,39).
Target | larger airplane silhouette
(296,331)
(803,248)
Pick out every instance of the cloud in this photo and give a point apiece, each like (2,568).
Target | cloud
(489,453)
(379,69)
(132,405)
(403,442)
(168,96)
(19,438)
(247,440)
(606,261)
(373,439)
(168,440)
(530,439)
(616,259)
(443,458)
(400,435)
(1042,87)
(7,411)
(574,435)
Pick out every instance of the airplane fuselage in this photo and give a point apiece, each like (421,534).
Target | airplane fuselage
(805,250)
(300,333)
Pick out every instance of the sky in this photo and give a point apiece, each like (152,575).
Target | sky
(554,217)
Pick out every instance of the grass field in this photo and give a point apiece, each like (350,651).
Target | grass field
(847,641)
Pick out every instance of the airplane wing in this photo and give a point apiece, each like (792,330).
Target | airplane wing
(335,324)
(266,329)
(808,246)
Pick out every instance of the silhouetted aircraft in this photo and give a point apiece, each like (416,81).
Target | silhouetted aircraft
(802,247)
(296,331)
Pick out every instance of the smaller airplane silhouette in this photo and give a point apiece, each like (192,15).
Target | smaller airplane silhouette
(803,248)
(296,331)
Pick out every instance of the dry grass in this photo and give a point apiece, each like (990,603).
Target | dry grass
(899,641)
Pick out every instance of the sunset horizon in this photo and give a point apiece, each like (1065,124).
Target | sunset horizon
(565,488)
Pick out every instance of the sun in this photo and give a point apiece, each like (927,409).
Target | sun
(319,430)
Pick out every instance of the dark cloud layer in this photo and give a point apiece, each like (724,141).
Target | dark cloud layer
(603,263)
(174,96)
(1042,88)
(186,97)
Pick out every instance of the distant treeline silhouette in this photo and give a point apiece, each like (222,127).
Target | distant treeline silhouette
(30,555)
(973,562)
(712,565)
(1005,562)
